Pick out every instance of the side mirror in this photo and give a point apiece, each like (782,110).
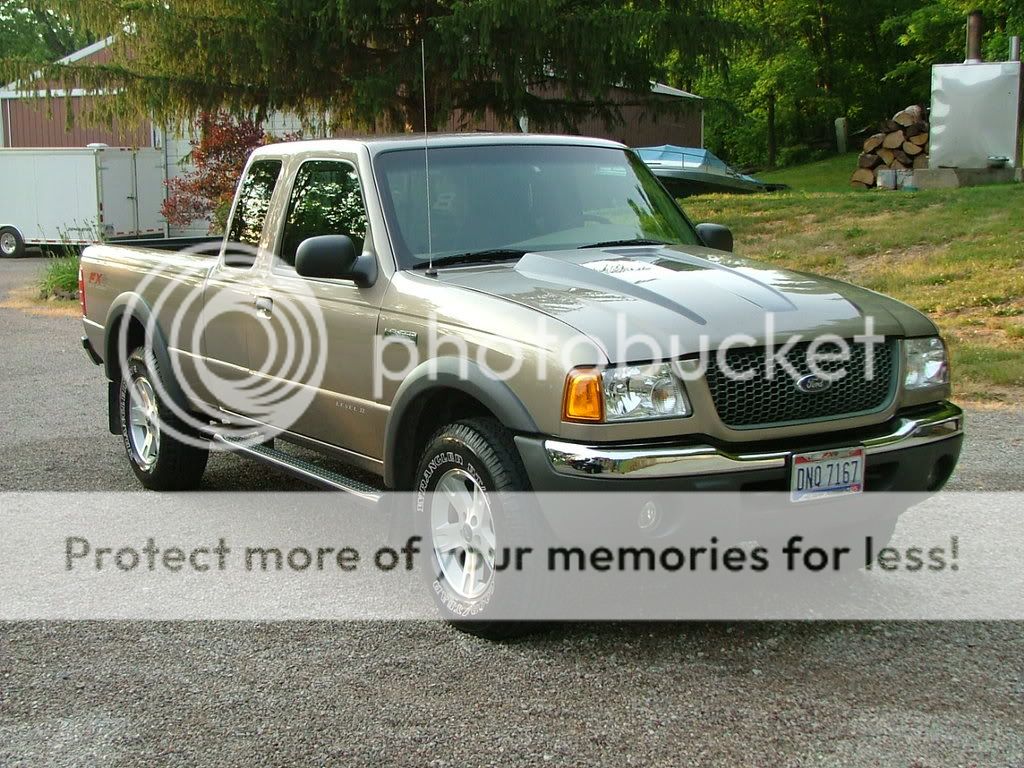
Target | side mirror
(334,257)
(716,236)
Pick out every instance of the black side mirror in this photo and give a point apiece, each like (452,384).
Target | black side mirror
(716,236)
(334,257)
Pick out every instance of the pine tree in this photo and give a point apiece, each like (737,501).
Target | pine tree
(359,60)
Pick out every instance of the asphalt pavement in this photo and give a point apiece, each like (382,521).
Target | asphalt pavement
(419,694)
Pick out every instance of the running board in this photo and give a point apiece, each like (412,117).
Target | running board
(305,470)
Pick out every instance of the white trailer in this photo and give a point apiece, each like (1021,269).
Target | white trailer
(79,196)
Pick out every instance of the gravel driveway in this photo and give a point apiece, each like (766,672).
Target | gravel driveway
(216,693)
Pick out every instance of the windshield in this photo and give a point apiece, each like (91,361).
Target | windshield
(523,197)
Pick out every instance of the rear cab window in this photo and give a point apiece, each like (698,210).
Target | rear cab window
(251,208)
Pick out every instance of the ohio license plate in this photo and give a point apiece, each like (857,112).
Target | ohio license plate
(827,473)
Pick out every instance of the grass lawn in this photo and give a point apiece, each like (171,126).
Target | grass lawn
(957,255)
(830,175)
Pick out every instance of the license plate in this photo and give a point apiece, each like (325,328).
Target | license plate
(827,473)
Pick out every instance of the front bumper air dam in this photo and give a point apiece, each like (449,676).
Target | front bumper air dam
(915,452)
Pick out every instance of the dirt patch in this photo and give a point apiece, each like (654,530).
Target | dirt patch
(859,268)
(1014,402)
(27,300)
(984,396)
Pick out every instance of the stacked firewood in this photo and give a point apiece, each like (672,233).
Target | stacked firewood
(901,144)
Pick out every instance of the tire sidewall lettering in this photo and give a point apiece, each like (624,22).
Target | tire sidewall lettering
(448,458)
(133,371)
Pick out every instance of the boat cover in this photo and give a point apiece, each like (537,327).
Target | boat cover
(669,156)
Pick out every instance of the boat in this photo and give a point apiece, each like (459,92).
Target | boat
(687,171)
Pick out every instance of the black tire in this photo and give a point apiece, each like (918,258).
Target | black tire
(483,449)
(9,236)
(178,464)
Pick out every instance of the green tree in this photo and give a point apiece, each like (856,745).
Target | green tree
(798,65)
(934,33)
(359,60)
(36,34)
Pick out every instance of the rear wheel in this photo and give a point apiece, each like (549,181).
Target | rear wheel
(468,498)
(12,245)
(165,454)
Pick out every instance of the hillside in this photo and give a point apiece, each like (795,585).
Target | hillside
(956,254)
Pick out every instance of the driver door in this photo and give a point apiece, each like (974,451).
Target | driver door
(320,333)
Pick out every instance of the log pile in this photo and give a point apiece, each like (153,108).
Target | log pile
(900,144)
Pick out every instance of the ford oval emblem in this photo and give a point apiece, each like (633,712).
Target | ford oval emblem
(812,384)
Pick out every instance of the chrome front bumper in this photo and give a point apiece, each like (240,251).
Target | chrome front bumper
(645,462)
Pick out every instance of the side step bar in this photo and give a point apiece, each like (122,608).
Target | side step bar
(300,468)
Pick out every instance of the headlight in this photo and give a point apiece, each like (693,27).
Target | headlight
(926,363)
(627,393)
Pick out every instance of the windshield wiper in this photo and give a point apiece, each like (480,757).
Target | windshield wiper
(630,241)
(493,254)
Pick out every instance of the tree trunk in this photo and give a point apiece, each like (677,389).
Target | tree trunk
(826,39)
(772,145)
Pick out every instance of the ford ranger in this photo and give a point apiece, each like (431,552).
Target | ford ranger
(483,313)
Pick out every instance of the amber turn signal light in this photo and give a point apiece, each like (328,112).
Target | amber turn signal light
(583,400)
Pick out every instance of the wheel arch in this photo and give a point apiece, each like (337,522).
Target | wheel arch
(439,391)
(131,309)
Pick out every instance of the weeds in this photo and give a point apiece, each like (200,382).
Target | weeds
(59,278)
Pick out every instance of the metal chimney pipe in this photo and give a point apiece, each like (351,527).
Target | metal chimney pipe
(1015,48)
(975,22)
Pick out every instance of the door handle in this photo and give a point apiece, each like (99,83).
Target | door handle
(264,306)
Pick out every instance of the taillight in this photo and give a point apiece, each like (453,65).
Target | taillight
(81,290)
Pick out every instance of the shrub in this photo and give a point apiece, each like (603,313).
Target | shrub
(218,157)
(59,279)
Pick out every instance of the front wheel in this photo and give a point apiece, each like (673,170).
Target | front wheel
(469,505)
(164,453)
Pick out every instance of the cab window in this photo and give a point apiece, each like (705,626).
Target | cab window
(326,200)
(251,212)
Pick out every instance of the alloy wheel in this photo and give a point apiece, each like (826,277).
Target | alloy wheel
(462,533)
(143,422)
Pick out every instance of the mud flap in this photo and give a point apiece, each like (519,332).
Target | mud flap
(113,408)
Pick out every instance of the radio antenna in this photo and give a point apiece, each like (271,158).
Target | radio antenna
(426,159)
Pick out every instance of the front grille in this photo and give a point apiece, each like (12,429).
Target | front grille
(762,401)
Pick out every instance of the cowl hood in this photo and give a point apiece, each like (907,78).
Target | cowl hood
(683,299)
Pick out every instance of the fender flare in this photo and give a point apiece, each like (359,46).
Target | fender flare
(125,308)
(450,373)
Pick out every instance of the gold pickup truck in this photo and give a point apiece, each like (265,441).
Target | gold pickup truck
(505,312)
